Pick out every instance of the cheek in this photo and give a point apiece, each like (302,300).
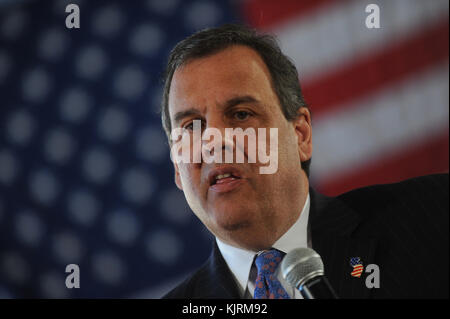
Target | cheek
(187,176)
(287,144)
(191,182)
(289,165)
(190,179)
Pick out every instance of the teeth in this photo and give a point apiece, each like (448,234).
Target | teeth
(223,176)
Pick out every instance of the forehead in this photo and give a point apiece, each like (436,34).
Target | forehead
(204,82)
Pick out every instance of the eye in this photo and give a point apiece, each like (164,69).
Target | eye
(190,125)
(241,115)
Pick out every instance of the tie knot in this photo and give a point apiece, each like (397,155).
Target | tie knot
(267,262)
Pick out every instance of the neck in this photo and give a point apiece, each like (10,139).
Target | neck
(263,236)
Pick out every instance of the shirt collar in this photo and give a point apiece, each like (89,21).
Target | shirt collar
(297,235)
(240,260)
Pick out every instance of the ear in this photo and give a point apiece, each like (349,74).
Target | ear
(177,177)
(303,129)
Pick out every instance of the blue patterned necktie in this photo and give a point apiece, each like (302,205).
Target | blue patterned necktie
(267,285)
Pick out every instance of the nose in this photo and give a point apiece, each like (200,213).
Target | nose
(215,143)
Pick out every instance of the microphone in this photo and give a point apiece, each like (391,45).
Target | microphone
(303,269)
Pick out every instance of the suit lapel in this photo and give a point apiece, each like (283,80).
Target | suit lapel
(220,282)
(331,225)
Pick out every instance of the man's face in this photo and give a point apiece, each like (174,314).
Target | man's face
(232,89)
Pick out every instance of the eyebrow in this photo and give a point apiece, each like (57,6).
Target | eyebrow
(239,100)
(228,104)
(182,114)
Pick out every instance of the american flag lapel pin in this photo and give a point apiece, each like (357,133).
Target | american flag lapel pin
(357,265)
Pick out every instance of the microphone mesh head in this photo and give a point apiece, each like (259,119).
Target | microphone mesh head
(300,265)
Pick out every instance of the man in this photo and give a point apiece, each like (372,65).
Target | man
(233,77)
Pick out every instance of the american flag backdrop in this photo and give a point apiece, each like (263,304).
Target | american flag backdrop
(85,173)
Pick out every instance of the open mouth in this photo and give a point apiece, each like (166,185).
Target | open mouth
(224,178)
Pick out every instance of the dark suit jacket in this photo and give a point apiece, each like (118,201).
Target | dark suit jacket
(403,228)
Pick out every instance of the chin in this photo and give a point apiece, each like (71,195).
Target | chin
(232,221)
(234,227)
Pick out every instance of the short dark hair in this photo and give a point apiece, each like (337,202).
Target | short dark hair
(209,41)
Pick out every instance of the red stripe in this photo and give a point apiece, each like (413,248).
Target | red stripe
(357,269)
(393,64)
(265,14)
(428,158)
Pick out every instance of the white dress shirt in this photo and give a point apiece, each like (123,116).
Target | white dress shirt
(240,261)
